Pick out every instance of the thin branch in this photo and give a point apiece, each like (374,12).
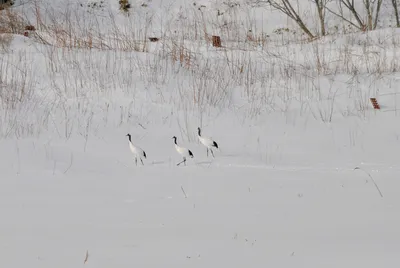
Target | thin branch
(70,163)
(369,175)
(183,191)
(343,18)
(86,257)
(286,8)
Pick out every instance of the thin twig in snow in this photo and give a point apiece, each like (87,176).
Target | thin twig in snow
(70,163)
(19,161)
(183,191)
(369,175)
(86,257)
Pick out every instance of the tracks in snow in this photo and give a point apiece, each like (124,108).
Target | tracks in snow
(371,167)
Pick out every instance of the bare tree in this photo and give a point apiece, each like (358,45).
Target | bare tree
(321,8)
(372,9)
(396,13)
(286,7)
(369,6)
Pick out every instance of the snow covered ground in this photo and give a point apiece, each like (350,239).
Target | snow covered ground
(307,171)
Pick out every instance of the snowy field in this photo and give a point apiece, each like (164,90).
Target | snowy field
(306,175)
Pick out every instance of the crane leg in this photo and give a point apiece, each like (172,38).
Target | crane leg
(183,161)
(212,152)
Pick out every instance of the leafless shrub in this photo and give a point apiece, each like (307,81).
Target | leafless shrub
(291,10)
(370,7)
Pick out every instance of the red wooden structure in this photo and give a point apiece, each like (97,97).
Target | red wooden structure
(375,104)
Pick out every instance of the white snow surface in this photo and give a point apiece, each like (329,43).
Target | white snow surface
(307,174)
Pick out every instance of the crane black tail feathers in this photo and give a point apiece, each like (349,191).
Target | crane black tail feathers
(190,154)
(144,154)
(215,144)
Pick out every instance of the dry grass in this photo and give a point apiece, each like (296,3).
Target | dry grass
(4,6)
(12,22)
(5,42)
